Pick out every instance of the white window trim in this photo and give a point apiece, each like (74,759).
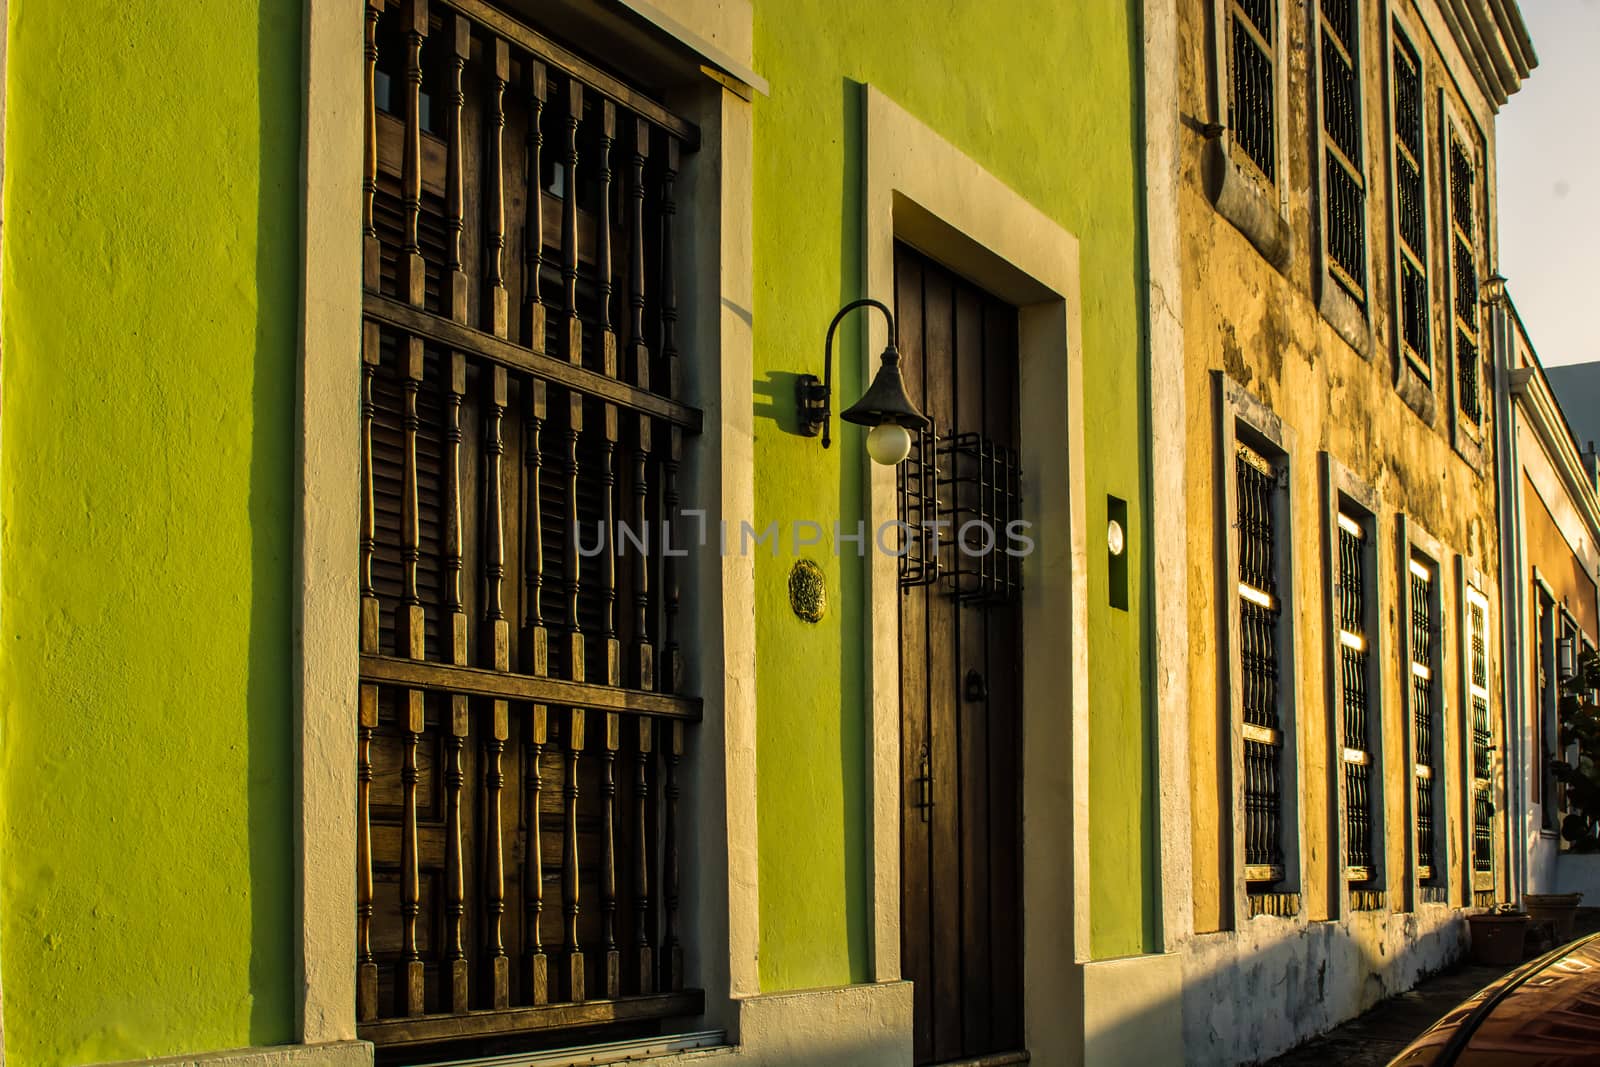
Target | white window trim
(1416,542)
(1466,436)
(1469,590)
(1265,432)
(1347,495)
(1351,319)
(1260,211)
(1417,392)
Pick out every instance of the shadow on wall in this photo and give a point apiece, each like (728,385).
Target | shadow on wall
(269,711)
(1250,996)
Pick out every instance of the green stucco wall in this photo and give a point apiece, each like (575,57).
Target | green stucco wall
(1045,96)
(150,259)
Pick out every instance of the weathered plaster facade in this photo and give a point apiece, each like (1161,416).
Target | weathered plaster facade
(1257,325)
(1550,516)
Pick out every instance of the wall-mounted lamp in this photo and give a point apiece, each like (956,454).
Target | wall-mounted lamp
(884,407)
(1565,653)
(1493,290)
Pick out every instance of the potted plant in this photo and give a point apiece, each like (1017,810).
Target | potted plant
(1579,715)
(1497,935)
(1557,909)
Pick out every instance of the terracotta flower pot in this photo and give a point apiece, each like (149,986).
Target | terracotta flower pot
(1497,937)
(1558,909)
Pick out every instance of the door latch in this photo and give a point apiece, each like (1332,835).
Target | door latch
(923,785)
(977,688)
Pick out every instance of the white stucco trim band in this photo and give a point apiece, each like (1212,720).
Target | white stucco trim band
(1167,527)
(923,190)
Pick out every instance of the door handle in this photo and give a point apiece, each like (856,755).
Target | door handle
(977,688)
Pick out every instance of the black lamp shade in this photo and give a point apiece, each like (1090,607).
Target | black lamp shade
(885,400)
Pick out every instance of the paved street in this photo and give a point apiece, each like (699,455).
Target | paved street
(1375,1038)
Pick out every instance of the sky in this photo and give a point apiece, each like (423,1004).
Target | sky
(1549,182)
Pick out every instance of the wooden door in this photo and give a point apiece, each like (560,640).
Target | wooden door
(960,674)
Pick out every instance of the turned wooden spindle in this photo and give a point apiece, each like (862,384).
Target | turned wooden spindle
(535,638)
(538,967)
(533,315)
(455,192)
(602,255)
(644,951)
(494,189)
(569,224)
(569,860)
(412,270)
(455,956)
(366,964)
(369,528)
(574,643)
(455,385)
(644,652)
(494,874)
(410,622)
(496,639)
(673,678)
(371,250)
(672,978)
(410,977)
(608,554)
(608,854)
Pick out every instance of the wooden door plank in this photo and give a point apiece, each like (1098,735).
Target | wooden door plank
(938,344)
(915,929)
(1005,734)
(972,373)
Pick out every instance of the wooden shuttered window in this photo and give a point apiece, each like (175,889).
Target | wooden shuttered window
(1261,662)
(1411,207)
(1344,197)
(522,722)
(1424,703)
(1467,312)
(1357,690)
(1251,26)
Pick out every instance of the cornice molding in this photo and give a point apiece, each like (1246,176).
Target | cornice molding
(1532,392)
(1494,42)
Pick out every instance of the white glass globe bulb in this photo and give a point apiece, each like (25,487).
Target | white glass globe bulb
(888,443)
(1115,537)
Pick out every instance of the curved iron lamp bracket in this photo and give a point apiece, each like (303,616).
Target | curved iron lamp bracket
(814,399)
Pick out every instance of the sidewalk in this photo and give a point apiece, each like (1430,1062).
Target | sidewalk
(1373,1039)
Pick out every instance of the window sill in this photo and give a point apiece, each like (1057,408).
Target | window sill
(1348,318)
(1244,202)
(1469,446)
(1417,392)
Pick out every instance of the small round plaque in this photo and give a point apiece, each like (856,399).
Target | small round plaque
(808,593)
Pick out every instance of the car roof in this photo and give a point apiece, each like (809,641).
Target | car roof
(1545,1012)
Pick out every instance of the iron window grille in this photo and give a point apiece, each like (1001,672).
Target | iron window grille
(1464,265)
(1411,206)
(1545,707)
(1260,662)
(523,715)
(1482,733)
(1571,636)
(1252,95)
(970,487)
(1344,204)
(1424,716)
(1358,756)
